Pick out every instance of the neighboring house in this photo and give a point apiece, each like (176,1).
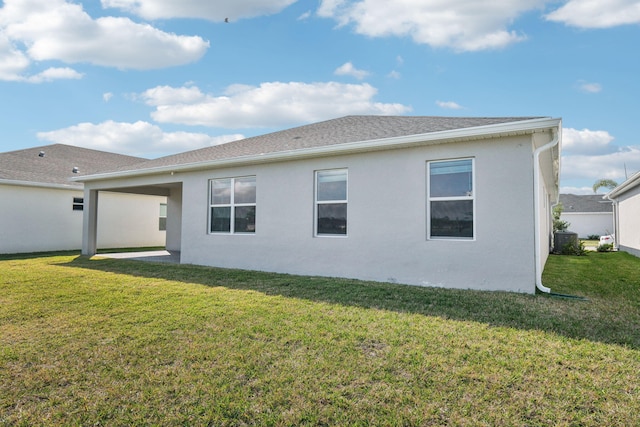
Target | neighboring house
(41,209)
(626,208)
(428,201)
(587,215)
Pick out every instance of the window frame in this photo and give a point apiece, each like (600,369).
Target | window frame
(232,205)
(78,204)
(317,203)
(162,225)
(471,197)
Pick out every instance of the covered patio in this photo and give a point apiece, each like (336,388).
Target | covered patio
(171,190)
(170,257)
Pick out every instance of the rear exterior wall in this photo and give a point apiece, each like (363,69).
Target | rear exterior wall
(387,219)
(589,223)
(629,221)
(38,219)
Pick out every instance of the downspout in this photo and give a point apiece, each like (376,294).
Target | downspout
(537,204)
(614,205)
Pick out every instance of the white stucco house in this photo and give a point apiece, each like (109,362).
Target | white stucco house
(428,201)
(626,211)
(587,214)
(42,210)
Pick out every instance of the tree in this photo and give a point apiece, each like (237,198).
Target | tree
(606,183)
(558,224)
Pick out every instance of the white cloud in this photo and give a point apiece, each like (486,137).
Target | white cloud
(14,64)
(167,95)
(51,74)
(203,9)
(347,69)
(304,16)
(107,96)
(586,141)
(459,24)
(597,13)
(394,74)
(62,31)
(607,166)
(589,87)
(590,155)
(137,139)
(272,104)
(576,190)
(449,105)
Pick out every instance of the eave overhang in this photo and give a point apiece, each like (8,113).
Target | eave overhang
(72,186)
(523,127)
(624,187)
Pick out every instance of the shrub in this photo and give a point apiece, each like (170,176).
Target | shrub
(560,225)
(605,247)
(593,237)
(573,248)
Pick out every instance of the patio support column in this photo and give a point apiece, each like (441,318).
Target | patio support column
(90,222)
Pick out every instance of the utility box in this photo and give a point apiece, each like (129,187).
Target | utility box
(562,238)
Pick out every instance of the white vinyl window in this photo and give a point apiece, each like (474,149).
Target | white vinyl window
(450,199)
(232,205)
(331,202)
(162,219)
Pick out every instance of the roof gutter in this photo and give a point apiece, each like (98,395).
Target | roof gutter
(622,188)
(537,204)
(511,128)
(76,187)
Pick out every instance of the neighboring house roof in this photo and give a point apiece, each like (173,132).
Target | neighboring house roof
(337,135)
(629,184)
(589,203)
(53,165)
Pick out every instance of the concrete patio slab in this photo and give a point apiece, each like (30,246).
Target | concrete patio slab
(172,257)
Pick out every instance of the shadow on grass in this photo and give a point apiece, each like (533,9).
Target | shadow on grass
(571,318)
(34,255)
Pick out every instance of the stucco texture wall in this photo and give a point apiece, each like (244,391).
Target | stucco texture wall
(629,221)
(37,219)
(586,224)
(129,220)
(387,217)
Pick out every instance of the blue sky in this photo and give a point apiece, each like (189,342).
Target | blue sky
(156,77)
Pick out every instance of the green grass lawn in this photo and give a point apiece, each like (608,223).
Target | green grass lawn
(590,244)
(112,342)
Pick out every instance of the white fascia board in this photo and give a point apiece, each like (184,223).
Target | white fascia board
(74,187)
(586,213)
(477,132)
(624,187)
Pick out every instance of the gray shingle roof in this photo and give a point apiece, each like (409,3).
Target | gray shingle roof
(331,132)
(56,166)
(589,203)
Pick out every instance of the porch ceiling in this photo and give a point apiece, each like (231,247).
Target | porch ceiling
(151,190)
